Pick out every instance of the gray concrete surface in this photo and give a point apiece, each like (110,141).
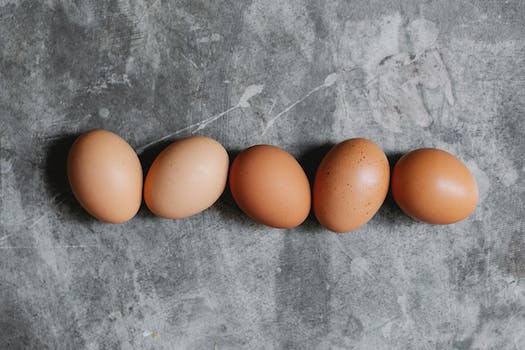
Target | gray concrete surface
(298,74)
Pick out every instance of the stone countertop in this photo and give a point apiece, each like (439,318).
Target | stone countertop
(302,75)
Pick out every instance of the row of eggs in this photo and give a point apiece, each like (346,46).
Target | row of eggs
(267,183)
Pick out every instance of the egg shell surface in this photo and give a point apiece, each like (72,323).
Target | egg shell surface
(105,176)
(350,185)
(186,178)
(433,186)
(270,186)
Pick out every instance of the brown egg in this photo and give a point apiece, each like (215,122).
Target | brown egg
(270,186)
(186,178)
(105,175)
(350,185)
(433,186)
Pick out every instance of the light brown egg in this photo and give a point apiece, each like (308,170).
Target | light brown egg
(270,186)
(350,185)
(105,175)
(433,186)
(186,178)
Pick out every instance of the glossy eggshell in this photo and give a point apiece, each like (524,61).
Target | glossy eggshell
(105,176)
(350,185)
(433,186)
(270,186)
(186,178)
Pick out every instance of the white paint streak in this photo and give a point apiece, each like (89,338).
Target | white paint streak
(274,101)
(202,124)
(250,92)
(329,81)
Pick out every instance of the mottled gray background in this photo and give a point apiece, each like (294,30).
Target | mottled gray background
(298,74)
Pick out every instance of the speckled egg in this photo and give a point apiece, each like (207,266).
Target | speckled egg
(350,185)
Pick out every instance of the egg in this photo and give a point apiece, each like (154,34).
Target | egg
(105,176)
(433,186)
(350,185)
(186,178)
(270,186)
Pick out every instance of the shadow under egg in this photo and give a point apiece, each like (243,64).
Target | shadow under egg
(57,183)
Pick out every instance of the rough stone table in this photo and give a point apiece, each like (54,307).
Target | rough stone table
(299,74)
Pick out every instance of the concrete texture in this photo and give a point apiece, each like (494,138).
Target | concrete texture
(298,74)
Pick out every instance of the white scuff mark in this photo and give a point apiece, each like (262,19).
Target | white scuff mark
(402,64)
(5,165)
(274,101)
(126,80)
(394,92)
(192,127)
(189,60)
(105,82)
(384,326)
(114,315)
(130,64)
(250,92)
(147,10)
(403,303)
(329,81)
(55,197)
(345,251)
(202,124)
(359,267)
(103,113)
(37,220)
(148,333)
(211,39)
(510,176)
(423,35)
